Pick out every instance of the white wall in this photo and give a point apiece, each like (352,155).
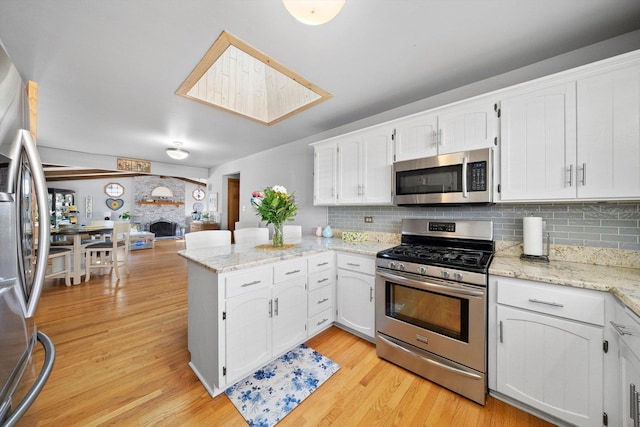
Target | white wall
(290,165)
(95,189)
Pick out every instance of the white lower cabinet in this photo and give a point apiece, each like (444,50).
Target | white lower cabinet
(355,293)
(549,349)
(626,326)
(248,332)
(289,315)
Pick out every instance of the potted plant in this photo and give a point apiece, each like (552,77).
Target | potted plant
(275,206)
(125,216)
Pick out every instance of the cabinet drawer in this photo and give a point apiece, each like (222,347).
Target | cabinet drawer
(287,270)
(321,279)
(248,281)
(321,262)
(320,300)
(360,263)
(570,303)
(320,321)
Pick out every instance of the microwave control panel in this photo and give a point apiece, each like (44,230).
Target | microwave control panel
(477,176)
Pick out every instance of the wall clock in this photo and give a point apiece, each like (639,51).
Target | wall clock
(198,194)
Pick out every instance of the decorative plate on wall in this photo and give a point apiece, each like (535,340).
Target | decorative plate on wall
(114,204)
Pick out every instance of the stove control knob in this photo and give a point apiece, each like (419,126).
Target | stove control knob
(392,265)
(445,274)
(457,276)
(422,270)
(401,267)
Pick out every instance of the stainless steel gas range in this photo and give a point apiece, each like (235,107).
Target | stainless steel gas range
(431,302)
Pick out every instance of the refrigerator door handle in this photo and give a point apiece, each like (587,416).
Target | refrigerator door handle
(25,141)
(36,388)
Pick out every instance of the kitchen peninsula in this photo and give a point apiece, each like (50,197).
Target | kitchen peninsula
(248,304)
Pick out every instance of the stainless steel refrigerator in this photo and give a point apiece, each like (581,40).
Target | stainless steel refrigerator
(24,249)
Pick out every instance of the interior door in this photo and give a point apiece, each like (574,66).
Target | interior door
(233,203)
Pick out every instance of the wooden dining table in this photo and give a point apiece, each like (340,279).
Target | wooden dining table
(77,246)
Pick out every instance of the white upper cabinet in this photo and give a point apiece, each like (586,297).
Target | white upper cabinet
(416,137)
(538,147)
(354,169)
(608,162)
(324,178)
(462,127)
(577,139)
(467,127)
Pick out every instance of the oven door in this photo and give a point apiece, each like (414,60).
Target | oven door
(464,177)
(441,317)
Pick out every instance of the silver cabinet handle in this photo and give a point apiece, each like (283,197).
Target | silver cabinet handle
(620,329)
(322,280)
(270,308)
(255,282)
(292,272)
(554,304)
(351,264)
(370,294)
(584,174)
(276,307)
(570,176)
(500,331)
(321,322)
(632,401)
(322,300)
(434,138)
(440,132)
(322,263)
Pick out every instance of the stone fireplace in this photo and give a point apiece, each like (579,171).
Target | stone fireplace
(163,217)
(164,228)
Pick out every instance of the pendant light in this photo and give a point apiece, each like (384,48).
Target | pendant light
(177,152)
(314,12)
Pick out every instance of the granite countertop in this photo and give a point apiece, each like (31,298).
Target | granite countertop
(223,259)
(622,282)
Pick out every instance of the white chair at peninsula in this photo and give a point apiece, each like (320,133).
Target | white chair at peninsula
(207,238)
(292,233)
(254,235)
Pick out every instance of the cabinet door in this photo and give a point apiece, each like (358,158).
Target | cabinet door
(289,315)
(248,333)
(608,134)
(377,158)
(324,174)
(538,143)
(553,365)
(467,127)
(355,301)
(630,375)
(349,166)
(416,137)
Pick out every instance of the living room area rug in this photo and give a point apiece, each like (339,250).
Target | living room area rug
(269,394)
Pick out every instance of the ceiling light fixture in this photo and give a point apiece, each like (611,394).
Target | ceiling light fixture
(177,152)
(314,12)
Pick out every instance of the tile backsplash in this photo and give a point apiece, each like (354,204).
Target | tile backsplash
(600,225)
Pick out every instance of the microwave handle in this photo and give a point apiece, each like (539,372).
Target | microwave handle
(465,192)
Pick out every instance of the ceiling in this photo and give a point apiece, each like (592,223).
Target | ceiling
(108,70)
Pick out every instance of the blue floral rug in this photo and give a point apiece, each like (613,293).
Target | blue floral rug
(269,394)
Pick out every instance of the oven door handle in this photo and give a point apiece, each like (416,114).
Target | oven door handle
(450,288)
(431,361)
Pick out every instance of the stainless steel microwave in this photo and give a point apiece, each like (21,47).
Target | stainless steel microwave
(456,178)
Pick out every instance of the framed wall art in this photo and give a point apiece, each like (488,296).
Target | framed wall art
(133,165)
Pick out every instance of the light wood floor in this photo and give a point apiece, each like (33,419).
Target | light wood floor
(122,360)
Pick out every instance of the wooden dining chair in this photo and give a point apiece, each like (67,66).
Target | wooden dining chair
(207,238)
(254,235)
(112,254)
(65,254)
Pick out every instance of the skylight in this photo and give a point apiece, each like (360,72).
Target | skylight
(238,78)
